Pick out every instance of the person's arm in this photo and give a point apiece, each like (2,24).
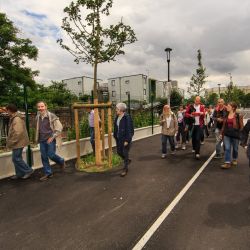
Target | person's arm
(245,133)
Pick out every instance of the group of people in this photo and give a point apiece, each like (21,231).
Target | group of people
(194,122)
(190,123)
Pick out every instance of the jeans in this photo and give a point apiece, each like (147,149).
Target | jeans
(229,143)
(21,167)
(197,135)
(123,152)
(92,137)
(164,139)
(218,141)
(48,151)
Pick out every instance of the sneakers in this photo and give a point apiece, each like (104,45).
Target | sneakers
(193,151)
(234,163)
(202,143)
(226,166)
(218,156)
(46,177)
(183,147)
(163,156)
(15,177)
(172,152)
(177,146)
(63,166)
(197,156)
(124,172)
(26,176)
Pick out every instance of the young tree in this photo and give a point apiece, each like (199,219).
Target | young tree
(175,99)
(92,42)
(198,80)
(14,51)
(212,99)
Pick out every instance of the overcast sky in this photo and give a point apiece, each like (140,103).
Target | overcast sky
(220,28)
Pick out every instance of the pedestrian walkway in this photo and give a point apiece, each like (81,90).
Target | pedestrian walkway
(76,210)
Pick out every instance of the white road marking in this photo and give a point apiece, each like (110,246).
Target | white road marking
(142,242)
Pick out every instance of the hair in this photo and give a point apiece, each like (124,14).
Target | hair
(121,106)
(12,108)
(233,105)
(42,102)
(165,109)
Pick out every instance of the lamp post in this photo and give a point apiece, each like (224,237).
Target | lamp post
(219,89)
(168,50)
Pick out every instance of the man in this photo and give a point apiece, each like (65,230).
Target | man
(181,129)
(218,117)
(197,133)
(48,134)
(18,139)
(123,133)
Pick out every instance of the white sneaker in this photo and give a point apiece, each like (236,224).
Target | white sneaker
(197,156)
(193,151)
(163,156)
(183,147)
(202,143)
(177,146)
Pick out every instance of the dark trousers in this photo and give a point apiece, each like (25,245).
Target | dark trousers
(164,139)
(123,152)
(205,129)
(92,138)
(181,132)
(196,138)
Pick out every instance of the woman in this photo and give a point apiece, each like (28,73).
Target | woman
(169,125)
(181,129)
(232,125)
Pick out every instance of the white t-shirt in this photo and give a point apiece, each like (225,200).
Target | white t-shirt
(197,118)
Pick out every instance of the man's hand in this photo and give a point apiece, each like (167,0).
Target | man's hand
(50,140)
(125,143)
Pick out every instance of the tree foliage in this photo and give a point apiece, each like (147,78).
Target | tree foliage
(92,42)
(198,80)
(175,98)
(14,51)
(212,99)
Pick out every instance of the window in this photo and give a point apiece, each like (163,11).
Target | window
(144,91)
(127,82)
(79,83)
(113,82)
(113,94)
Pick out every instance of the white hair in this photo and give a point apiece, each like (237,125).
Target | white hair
(121,106)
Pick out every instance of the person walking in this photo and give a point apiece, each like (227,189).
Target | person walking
(18,139)
(219,115)
(230,134)
(123,134)
(48,134)
(244,139)
(168,122)
(181,129)
(197,133)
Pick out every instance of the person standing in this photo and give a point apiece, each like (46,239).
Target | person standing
(197,133)
(18,139)
(169,126)
(219,115)
(230,133)
(123,134)
(48,134)
(181,129)
(244,139)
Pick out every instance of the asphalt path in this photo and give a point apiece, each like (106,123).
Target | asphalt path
(76,210)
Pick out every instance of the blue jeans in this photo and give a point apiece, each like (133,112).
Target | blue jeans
(48,151)
(164,139)
(231,142)
(21,167)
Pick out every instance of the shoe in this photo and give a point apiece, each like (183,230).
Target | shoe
(202,143)
(197,156)
(177,146)
(172,152)
(63,165)
(26,176)
(183,147)
(193,151)
(124,172)
(15,177)
(163,156)
(234,163)
(46,177)
(218,157)
(226,166)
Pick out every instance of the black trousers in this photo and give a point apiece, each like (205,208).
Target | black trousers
(196,138)
(123,152)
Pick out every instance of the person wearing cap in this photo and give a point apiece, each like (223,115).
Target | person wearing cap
(123,134)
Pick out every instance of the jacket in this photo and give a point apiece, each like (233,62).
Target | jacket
(190,109)
(245,133)
(219,114)
(17,135)
(173,128)
(55,125)
(125,131)
(237,123)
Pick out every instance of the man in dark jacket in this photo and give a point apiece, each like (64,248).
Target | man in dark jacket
(123,133)
(244,138)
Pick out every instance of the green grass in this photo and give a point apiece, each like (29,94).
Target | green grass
(87,164)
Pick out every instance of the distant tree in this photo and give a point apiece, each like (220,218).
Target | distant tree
(233,93)
(14,51)
(212,99)
(175,98)
(246,100)
(196,85)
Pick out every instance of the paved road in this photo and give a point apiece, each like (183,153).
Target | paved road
(104,211)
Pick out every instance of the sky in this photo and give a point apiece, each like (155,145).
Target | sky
(219,28)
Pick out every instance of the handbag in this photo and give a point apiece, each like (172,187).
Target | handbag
(232,132)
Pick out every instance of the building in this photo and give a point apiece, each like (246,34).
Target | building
(245,89)
(82,85)
(139,86)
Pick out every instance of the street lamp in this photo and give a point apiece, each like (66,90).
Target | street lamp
(219,88)
(168,50)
